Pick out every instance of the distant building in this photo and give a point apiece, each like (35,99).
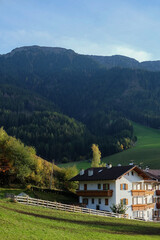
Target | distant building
(100,188)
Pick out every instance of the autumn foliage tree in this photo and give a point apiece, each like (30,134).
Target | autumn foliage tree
(96,160)
(20,164)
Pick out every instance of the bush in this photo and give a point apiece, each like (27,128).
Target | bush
(119,208)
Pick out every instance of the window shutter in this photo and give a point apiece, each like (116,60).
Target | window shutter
(108,186)
(121,201)
(106,201)
(121,186)
(104,186)
(126,201)
(126,186)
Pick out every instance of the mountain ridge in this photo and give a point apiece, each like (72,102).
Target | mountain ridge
(95,99)
(106,61)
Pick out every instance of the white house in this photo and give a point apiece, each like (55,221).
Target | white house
(155,175)
(100,188)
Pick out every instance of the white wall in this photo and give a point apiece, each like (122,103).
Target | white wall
(119,194)
(94,186)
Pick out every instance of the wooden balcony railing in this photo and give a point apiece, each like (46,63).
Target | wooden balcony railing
(158,205)
(158,192)
(95,193)
(142,192)
(138,207)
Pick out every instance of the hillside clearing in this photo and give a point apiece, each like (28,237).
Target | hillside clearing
(25,222)
(42,194)
(145,151)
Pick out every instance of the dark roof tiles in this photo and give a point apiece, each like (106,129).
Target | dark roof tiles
(103,173)
(153,173)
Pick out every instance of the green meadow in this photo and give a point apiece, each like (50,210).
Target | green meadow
(19,221)
(146,150)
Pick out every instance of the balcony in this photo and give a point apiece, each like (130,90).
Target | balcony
(142,192)
(141,207)
(158,192)
(95,193)
(158,205)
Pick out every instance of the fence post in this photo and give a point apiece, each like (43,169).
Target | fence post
(27,200)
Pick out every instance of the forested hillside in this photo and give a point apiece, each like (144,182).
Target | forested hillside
(61,102)
(19,164)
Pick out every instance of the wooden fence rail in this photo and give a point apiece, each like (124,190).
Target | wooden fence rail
(65,207)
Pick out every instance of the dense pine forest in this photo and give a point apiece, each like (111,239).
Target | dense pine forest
(61,102)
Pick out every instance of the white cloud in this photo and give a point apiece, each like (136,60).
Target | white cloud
(131,52)
(92,48)
(83,46)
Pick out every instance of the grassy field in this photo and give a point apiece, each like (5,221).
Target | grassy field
(25,222)
(146,150)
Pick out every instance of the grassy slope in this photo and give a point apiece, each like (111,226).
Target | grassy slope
(25,222)
(146,150)
(51,196)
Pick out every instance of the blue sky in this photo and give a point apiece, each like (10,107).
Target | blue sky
(99,27)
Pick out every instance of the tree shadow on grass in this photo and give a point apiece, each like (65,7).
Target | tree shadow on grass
(100,226)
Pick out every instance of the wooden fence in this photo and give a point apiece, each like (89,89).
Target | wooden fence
(66,207)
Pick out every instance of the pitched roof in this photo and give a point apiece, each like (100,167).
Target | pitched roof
(153,173)
(104,173)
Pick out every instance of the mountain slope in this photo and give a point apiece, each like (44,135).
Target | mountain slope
(48,80)
(146,151)
(125,62)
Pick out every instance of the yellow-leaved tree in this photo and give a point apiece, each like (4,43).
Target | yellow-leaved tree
(96,160)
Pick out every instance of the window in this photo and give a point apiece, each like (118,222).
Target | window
(124,201)
(85,201)
(132,173)
(99,186)
(106,186)
(99,200)
(155,213)
(106,201)
(135,214)
(124,186)
(92,200)
(85,187)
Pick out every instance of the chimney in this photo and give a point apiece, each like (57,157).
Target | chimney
(147,168)
(81,172)
(109,166)
(90,172)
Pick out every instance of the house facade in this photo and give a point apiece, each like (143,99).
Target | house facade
(100,188)
(155,175)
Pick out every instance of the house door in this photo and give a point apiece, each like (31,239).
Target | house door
(97,207)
